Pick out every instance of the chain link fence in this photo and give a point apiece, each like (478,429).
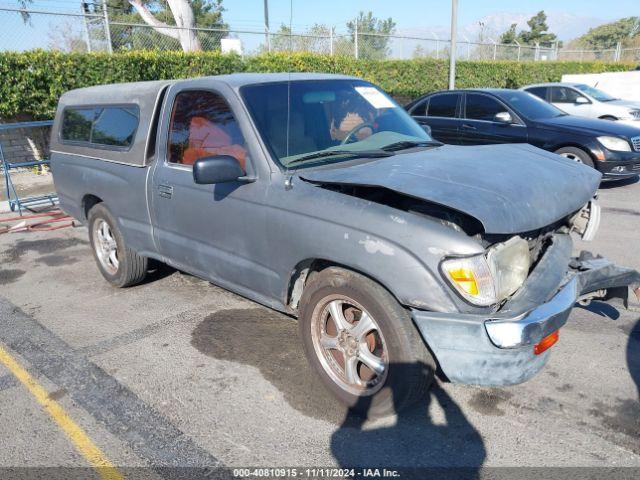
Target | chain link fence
(82,32)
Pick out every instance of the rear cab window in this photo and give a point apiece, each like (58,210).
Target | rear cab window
(100,126)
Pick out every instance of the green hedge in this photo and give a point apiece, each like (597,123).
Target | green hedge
(33,81)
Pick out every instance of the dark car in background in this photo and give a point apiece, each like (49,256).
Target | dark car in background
(491,116)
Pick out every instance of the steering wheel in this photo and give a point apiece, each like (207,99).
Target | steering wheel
(355,130)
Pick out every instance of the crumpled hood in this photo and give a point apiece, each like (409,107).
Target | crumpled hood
(510,188)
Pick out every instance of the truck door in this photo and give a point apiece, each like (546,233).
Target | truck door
(212,231)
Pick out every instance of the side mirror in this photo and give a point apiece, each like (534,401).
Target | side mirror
(426,128)
(582,100)
(503,117)
(216,169)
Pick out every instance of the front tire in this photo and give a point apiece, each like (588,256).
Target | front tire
(119,265)
(363,343)
(576,154)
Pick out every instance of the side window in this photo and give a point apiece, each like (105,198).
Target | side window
(482,107)
(564,95)
(539,92)
(77,123)
(202,125)
(443,105)
(420,109)
(104,126)
(115,126)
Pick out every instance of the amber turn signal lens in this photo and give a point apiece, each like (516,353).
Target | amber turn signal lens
(465,279)
(546,343)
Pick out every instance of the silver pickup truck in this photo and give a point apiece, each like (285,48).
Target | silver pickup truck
(318,196)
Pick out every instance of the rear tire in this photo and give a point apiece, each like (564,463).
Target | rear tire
(119,265)
(576,154)
(392,367)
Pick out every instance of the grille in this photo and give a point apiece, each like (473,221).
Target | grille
(636,143)
(636,167)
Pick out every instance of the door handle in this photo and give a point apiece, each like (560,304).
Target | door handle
(165,191)
(466,126)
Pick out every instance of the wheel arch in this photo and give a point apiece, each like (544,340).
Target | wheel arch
(585,149)
(303,270)
(89,201)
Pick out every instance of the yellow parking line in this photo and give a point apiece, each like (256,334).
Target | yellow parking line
(80,439)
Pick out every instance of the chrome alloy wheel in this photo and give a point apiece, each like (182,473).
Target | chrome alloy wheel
(572,156)
(349,345)
(105,246)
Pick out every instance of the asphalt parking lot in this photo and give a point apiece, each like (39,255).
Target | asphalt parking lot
(177,372)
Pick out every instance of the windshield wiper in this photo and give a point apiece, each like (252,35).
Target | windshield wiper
(410,144)
(336,153)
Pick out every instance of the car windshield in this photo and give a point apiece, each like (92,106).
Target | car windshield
(528,105)
(311,122)
(595,93)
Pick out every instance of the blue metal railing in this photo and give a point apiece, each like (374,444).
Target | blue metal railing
(13,198)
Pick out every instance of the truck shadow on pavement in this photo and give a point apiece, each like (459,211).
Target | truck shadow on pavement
(633,360)
(419,442)
(434,433)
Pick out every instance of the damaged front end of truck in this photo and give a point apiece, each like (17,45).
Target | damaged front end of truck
(514,296)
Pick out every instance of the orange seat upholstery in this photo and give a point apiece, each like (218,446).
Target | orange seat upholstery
(207,139)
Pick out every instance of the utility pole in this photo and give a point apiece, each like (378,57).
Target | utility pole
(84,8)
(355,40)
(107,28)
(266,25)
(452,54)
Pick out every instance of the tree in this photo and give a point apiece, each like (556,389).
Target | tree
(510,36)
(316,40)
(607,36)
(66,38)
(373,35)
(159,35)
(184,20)
(537,33)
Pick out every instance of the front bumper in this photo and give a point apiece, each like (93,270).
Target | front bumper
(497,349)
(619,165)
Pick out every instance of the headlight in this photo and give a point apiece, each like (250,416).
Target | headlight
(510,262)
(488,278)
(615,144)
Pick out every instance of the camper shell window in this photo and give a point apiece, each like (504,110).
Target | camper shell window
(100,126)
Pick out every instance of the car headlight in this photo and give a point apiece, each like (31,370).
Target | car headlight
(615,144)
(510,262)
(488,278)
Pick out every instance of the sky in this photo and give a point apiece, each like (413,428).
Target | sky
(416,14)
(567,18)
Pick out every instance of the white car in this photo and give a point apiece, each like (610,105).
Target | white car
(585,101)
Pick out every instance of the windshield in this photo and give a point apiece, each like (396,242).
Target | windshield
(329,121)
(528,105)
(595,93)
